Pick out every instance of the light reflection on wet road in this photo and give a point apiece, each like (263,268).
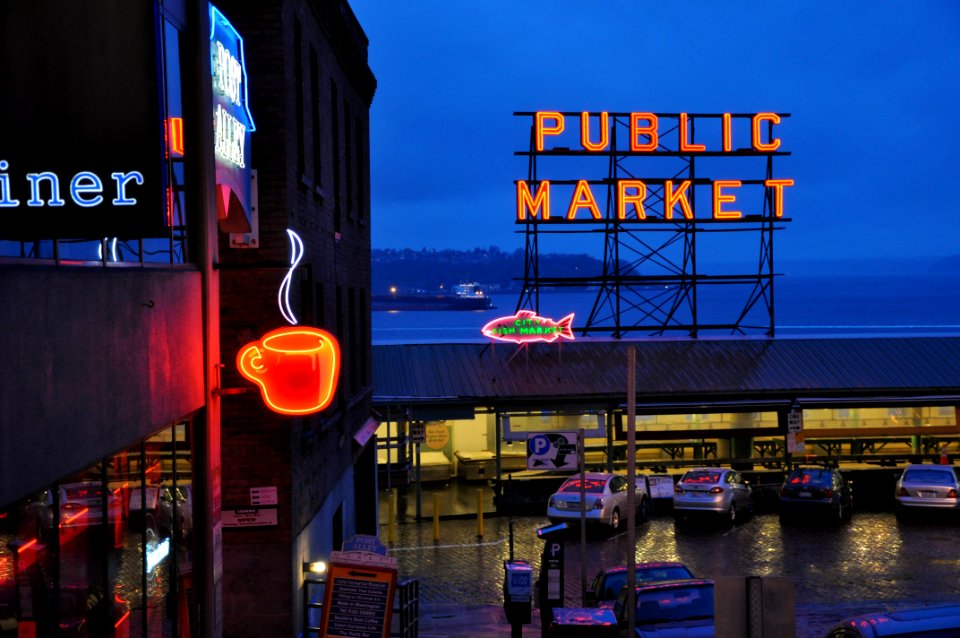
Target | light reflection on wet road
(872,559)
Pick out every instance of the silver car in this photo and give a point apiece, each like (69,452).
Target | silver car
(927,487)
(712,490)
(605,498)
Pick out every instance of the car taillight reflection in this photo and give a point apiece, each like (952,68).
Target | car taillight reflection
(952,493)
(716,490)
(903,492)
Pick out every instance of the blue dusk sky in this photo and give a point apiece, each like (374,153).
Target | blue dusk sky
(873,89)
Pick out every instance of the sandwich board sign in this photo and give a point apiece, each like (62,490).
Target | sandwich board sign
(358,598)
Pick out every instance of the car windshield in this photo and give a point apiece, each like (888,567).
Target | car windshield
(675,604)
(940,477)
(701,476)
(662,573)
(810,477)
(591,485)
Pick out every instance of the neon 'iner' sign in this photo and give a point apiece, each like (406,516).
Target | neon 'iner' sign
(634,200)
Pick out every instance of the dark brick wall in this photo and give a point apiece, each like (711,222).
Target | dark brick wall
(305,458)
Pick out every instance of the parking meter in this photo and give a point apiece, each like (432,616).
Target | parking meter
(550,583)
(517,592)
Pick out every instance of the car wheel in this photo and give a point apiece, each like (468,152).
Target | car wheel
(615,519)
(841,513)
(732,514)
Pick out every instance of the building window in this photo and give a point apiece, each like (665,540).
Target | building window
(317,121)
(298,92)
(348,159)
(107,549)
(353,347)
(361,173)
(335,138)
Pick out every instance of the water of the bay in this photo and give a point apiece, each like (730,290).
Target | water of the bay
(804,307)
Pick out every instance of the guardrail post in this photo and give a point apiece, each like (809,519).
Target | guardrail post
(480,513)
(392,517)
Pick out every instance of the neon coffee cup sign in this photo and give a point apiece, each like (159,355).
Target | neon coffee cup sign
(296,367)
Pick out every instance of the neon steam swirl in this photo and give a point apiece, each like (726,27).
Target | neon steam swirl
(283,297)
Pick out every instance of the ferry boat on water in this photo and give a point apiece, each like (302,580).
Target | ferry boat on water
(468,296)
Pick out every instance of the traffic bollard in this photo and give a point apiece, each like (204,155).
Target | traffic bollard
(436,518)
(392,517)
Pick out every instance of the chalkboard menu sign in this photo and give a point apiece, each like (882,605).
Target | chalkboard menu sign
(358,601)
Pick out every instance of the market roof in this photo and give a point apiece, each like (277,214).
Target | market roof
(669,371)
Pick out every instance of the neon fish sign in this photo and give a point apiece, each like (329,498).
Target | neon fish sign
(296,367)
(527,327)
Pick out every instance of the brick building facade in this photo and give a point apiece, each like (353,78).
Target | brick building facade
(310,93)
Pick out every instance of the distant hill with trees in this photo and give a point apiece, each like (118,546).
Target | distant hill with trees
(431,270)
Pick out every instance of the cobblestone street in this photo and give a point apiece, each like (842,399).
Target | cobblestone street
(872,563)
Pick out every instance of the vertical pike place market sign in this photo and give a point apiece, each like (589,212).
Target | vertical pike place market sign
(631,200)
(232,124)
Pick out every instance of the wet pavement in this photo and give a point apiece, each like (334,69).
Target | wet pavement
(872,563)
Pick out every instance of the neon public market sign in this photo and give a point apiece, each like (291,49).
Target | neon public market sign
(646,133)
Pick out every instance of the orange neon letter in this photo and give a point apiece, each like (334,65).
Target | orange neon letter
(585,132)
(727,133)
(538,204)
(758,142)
(671,198)
(685,144)
(583,198)
(650,131)
(637,200)
(778,185)
(175,125)
(542,129)
(720,198)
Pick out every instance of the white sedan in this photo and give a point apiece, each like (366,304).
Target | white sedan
(605,499)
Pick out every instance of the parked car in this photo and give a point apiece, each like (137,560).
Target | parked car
(816,490)
(81,504)
(716,491)
(183,495)
(606,585)
(676,608)
(926,487)
(930,621)
(606,499)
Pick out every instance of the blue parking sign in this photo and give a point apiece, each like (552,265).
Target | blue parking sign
(538,445)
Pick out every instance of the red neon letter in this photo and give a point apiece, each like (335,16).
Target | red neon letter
(538,204)
(583,198)
(637,200)
(671,198)
(778,185)
(727,133)
(719,198)
(758,142)
(686,145)
(542,130)
(585,132)
(650,131)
